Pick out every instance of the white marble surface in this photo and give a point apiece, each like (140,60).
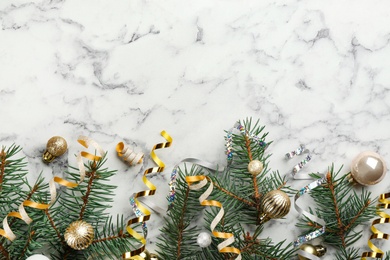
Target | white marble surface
(316,72)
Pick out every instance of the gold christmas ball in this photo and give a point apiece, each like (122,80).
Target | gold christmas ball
(317,250)
(255,167)
(153,257)
(56,146)
(145,255)
(79,235)
(368,168)
(275,204)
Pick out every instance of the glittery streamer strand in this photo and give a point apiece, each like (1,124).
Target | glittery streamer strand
(305,238)
(128,155)
(201,181)
(243,131)
(22,214)
(141,212)
(384,203)
(301,149)
(301,164)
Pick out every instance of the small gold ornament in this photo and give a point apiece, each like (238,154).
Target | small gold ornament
(368,168)
(56,146)
(153,257)
(317,250)
(275,204)
(255,167)
(79,235)
(144,254)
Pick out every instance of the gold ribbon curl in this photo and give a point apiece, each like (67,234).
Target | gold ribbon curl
(202,180)
(384,203)
(152,190)
(22,214)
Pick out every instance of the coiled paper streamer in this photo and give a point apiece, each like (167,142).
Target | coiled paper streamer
(22,214)
(384,203)
(303,239)
(172,184)
(229,237)
(128,155)
(141,212)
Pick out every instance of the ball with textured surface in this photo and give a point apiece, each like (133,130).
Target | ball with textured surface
(56,146)
(37,257)
(255,167)
(79,235)
(275,204)
(204,239)
(368,168)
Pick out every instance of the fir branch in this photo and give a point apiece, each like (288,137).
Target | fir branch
(331,188)
(247,202)
(92,176)
(181,225)
(3,163)
(32,233)
(4,251)
(343,210)
(55,228)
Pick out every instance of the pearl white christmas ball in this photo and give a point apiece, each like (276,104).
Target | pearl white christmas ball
(37,257)
(204,239)
(368,168)
(255,167)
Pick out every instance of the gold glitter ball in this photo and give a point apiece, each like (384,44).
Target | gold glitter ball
(79,235)
(255,167)
(56,146)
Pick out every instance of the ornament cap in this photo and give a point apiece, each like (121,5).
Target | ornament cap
(321,250)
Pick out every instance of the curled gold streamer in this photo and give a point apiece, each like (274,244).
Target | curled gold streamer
(202,180)
(128,155)
(22,214)
(152,190)
(384,203)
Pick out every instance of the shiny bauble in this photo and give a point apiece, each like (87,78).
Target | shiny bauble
(255,167)
(317,250)
(204,239)
(37,257)
(145,255)
(79,235)
(368,168)
(154,257)
(275,204)
(56,146)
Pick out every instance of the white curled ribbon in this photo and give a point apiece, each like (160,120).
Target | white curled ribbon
(318,232)
(223,247)
(172,184)
(128,155)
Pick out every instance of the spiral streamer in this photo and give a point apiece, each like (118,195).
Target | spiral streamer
(128,155)
(172,184)
(318,232)
(223,247)
(141,212)
(229,139)
(384,203)
(22,214)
